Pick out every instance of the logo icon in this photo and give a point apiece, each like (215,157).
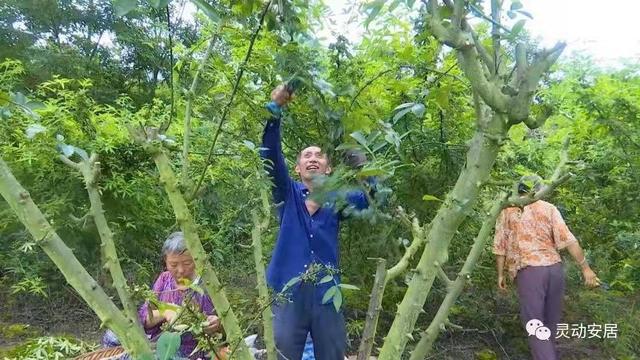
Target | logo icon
(536,328)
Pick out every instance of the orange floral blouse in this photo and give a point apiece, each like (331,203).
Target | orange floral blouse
(531,236)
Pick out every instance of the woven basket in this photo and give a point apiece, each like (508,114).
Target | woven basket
(113,353)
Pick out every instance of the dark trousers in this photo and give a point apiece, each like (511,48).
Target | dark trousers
(540,293)
(293,320)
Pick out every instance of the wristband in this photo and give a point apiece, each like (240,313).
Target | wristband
(584,260)
(274,109)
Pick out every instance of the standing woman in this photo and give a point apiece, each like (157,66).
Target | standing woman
(528,242)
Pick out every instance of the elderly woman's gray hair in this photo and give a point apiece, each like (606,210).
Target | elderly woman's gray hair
(174,244)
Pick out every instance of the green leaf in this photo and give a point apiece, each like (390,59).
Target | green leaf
(337,300)
(83,154)
(33,130)
(197,289)
(324,87)
(517,28)
(123,7)
(516,5)
(293,281)
(4,98)
(67,150)
(34,105)
(271,21)
(428,197)
(159,4)
(400,114)
(326,279)
(526,13)
(394,4)
(418,110)
(329,294)
(392,138)
(442,97)
(251,146)
(167,345)
(20,99)
(208,10)
(366,172)
(163,306)
(359,137)
(445,12)
(405,105)
(373,9)
(349,286)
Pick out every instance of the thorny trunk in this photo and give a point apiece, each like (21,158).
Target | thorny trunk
(129,330)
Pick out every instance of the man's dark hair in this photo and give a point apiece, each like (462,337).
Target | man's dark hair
(526,183)
(313,145)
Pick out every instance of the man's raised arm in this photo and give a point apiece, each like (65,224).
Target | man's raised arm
(271,144)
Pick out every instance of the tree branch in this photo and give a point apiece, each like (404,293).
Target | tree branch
(496,6)
(418,239)
(379,75)
(560,175)
(519,107)
(458,13)
(373,312)
(263,290)
(490,93)
(233,94)
(90,169)
(428,337)
(468,50)
(482,51)
(444,278)
(127,330)
(188,109)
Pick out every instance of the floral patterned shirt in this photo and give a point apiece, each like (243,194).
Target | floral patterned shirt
(531,236)
(166,288)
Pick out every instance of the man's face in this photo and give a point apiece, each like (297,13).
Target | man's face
(312,162)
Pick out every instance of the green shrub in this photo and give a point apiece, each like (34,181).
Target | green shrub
(49,348)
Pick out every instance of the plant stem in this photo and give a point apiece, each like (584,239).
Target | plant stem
(373,313)
(90,169)
(188,110)
(211,282)
(263,291)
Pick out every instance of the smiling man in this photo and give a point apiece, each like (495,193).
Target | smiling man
(308,235)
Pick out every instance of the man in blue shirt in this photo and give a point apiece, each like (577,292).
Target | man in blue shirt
(308,235)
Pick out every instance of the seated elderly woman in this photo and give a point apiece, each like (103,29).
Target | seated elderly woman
(169,288)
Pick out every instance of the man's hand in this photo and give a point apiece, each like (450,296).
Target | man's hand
(590,278)
(281,96)
(502,283)
(213,325)
(355,159)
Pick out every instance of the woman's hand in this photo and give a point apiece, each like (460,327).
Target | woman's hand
(502,283)
(169,315)
(590,278)
(213,325)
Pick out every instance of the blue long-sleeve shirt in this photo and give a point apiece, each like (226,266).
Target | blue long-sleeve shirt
(303,239)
